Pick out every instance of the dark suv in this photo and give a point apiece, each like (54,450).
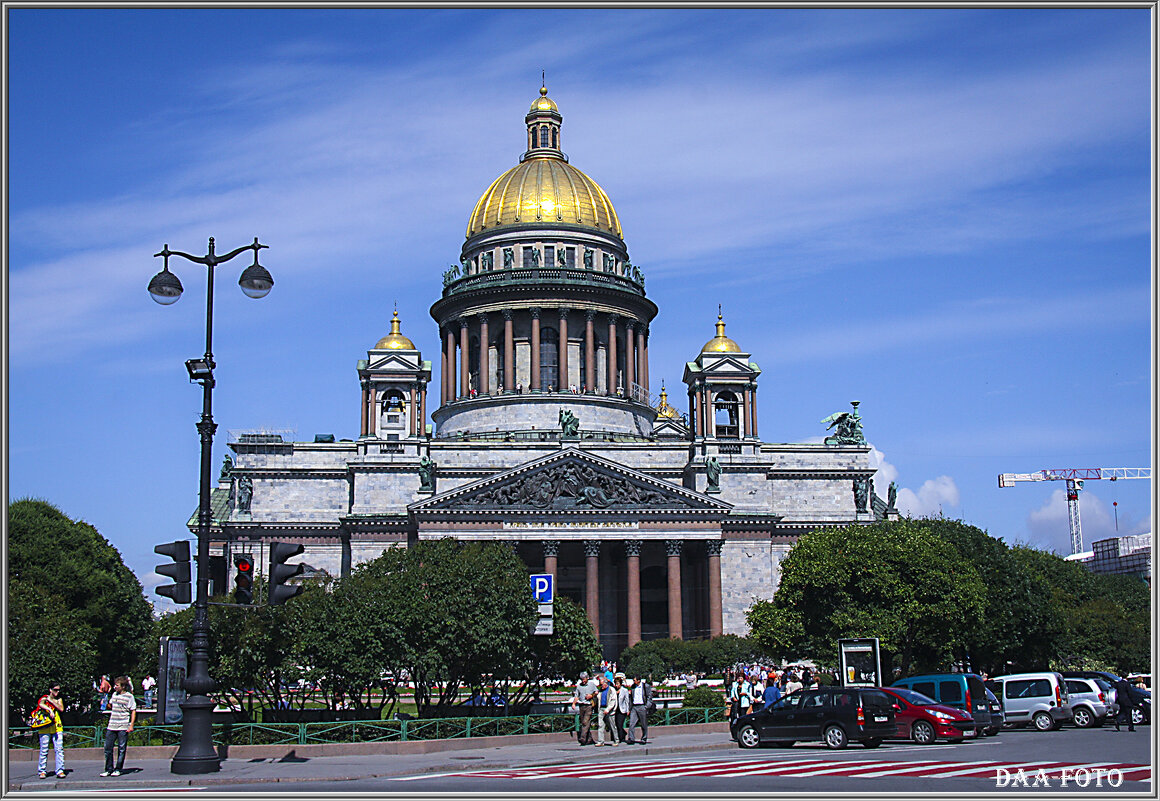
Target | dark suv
(834,715)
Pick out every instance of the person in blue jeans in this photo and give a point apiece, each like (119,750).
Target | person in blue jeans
(54,734)
(122,718)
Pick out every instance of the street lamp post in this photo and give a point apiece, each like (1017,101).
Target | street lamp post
(196,753)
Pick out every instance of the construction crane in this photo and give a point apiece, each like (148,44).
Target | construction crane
(1075,477)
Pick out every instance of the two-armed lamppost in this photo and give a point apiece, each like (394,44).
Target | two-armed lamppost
(196,753)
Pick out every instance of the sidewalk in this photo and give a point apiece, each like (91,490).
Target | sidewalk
(254,764)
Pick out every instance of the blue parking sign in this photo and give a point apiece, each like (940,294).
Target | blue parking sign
(542,587)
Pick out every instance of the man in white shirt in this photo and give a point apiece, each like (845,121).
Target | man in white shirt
(641,697)
(122,718)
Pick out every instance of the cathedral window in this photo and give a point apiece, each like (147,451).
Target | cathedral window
(543,136)
(555,138)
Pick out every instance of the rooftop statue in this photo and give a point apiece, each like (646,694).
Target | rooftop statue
(713,474)
(426,474)
(847,427)
(569,424)
(227,468)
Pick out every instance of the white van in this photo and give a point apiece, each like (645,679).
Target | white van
(1037,698)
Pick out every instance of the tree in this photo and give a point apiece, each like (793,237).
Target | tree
(572,647)
(46,643)
(75,586)
(450,614)
(1021,622)
(892,580)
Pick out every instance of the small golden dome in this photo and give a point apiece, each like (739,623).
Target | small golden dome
(543,190)
(721,343)
(664,410)
(395,340)
(543,102)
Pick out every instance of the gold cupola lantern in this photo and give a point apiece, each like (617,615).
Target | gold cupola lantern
(395,340)
(663,409)
(543,188)
(721,343)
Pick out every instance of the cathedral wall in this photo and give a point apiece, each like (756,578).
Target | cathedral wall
(750,569)
(542,412)
(379,491)
(303,498)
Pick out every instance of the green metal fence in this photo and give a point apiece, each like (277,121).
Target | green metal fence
(355,731)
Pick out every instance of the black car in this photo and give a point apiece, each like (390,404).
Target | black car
(997,717)
(834,715)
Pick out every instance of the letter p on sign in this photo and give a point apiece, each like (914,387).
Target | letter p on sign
(542,587)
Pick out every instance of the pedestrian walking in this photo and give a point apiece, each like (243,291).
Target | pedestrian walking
(587,693)
(122,718)
(641,697)
(52,704)
(148,685)
(1126,704)
(104,688)
(772,692)
(622,706)
(602,698)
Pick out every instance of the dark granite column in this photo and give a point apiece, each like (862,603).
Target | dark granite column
(676,626)
(590,351)
(484,357)
(562,358)
(714,553)
(534,384)
(592,583)
(632,550)
(629,361)
(364,415)
(509,353)
(551,552)
(449,379)
(464,359)
(612,320)
(642,358)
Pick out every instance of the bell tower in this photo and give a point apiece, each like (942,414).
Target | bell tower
(394,381)
(722,386)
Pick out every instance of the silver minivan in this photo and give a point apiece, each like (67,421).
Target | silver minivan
(1037,698)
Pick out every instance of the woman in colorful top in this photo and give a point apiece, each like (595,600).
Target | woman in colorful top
(122,717)
(53,705)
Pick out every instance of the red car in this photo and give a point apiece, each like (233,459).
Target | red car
(924,720)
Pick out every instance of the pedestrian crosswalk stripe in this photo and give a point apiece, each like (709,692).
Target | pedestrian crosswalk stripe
(797,767)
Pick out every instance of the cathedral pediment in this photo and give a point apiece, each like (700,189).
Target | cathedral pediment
(571,481)
(394,361)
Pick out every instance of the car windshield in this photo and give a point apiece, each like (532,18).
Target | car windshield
(911,697)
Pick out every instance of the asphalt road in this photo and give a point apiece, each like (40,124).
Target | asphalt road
(1089,756)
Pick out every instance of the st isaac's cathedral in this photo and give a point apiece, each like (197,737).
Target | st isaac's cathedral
(548,435)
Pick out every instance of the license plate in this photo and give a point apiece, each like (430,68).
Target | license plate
(970,733)
(879,718)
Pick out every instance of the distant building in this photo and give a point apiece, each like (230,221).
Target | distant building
(1131,555)
(547,435)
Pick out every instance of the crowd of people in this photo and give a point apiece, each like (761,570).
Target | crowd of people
(615,700)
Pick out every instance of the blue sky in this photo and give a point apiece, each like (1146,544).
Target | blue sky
(943,214)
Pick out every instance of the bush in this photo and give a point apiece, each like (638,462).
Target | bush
(703,697)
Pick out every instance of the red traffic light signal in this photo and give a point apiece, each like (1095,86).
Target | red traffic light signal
(244,579)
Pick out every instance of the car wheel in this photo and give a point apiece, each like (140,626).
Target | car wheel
(873,742)
(1083,717)
(1137,716)
(990,732)
(748,737)
(835,736)
(922,732)
(783,743)
(1043,721)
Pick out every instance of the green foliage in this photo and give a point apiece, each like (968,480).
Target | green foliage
(79,610)
(46,643)
(895,580)
(703,697)
(937,591)
(572,647)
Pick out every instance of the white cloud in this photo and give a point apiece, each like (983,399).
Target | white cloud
(1050,528)
(931,499)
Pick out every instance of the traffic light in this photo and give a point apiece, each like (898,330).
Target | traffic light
(181,591)
(280,571)
(244,578)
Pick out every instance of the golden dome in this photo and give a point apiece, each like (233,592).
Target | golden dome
(721,343)
(395,340)
(664,410)
(543,102)
(544,189)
